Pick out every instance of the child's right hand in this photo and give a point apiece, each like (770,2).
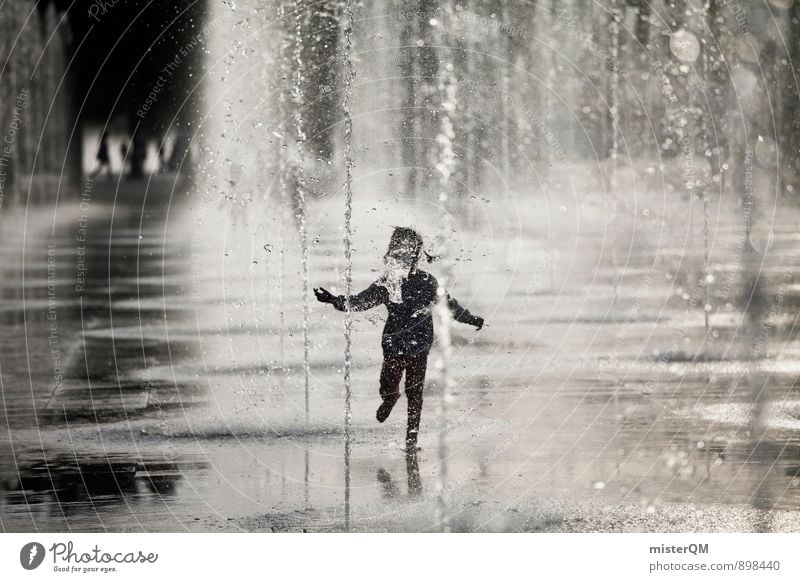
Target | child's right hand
(323,295)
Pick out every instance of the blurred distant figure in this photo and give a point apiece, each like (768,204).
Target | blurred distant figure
(163,161)
(103,158)
(137,157)
(123,150)
(180,156)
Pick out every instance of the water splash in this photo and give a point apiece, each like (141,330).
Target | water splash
(283,187)
(281,295)
(684,46)
(615,128)
(707,276)
(348,236)
(299,102)
(445,168)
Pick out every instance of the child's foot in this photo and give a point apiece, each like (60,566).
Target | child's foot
(385,409)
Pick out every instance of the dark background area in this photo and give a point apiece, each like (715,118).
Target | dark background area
(88,65)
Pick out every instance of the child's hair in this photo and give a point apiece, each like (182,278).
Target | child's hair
(405,239)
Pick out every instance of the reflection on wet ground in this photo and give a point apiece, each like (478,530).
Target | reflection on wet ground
(414,489)
(166,393)
(109,477)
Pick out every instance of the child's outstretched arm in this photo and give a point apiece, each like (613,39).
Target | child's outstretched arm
(462,314)
(370,297)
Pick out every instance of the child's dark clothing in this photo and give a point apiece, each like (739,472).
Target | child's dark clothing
(407,337)
(102,152)
(392,370)
(409,327)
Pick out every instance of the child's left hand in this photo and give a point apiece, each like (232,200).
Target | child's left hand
(478,322)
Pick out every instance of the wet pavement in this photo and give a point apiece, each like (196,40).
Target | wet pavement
(152,378)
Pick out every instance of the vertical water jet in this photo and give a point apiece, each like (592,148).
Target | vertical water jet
(349,76)
(299,103)
(445,167)
(615,127)
(707,277)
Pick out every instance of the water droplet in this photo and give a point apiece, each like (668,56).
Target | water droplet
(761,237)
(745,82)
(685,46)
(766,152)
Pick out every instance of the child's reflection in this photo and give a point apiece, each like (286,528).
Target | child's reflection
(390,490)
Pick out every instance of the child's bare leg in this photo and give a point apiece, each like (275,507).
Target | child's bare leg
(415,383)
(391,374)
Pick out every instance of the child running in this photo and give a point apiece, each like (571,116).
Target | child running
(409,294)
